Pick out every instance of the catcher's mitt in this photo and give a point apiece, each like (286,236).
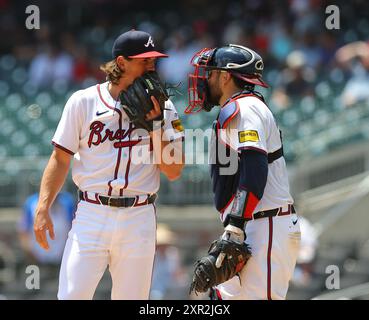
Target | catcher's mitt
(207,275)
(136,100)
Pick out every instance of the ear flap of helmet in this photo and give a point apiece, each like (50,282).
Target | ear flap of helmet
(256,80)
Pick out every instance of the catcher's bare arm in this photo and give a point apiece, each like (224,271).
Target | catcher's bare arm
(52,181)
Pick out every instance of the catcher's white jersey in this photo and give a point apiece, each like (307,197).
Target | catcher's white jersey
(110,156)
(274,241)
(249,124)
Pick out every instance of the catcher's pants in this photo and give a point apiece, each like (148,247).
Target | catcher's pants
(121,238)
(274,243)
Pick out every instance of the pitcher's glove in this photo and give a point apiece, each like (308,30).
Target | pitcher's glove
(208,274)
(136,100)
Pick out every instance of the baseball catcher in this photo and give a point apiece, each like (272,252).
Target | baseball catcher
(137,102)
(249,180)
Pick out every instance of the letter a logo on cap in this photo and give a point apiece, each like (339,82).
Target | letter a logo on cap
(150,41)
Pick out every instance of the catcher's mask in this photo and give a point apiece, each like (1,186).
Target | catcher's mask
(198,90)
(241,62)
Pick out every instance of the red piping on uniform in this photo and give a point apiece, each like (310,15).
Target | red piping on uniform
(225,124)
(96,201)
(281,213)
(102,99)
(120,149)
(156,239)
(232,116)
(218,294)
(125,144)
(128,163)
(62,148)
(118,162)
(127,170)
(251,203)
(269,258)
(244,95)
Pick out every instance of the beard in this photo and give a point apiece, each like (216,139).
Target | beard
(214,94)
(211,94)
(214,98)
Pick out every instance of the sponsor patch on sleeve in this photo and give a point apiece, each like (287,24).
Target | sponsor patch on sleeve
(248,136)
(177,125)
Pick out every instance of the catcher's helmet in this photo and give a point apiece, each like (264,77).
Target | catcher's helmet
(240,61)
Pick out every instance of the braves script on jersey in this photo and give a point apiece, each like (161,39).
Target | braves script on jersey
(106,146)
(98,133)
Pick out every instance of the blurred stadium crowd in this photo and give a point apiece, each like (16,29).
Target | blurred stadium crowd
(319,80)
(310,86)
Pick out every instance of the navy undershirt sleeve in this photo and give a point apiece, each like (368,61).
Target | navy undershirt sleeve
(253,172)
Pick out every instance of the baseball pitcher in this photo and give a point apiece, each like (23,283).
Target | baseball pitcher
(116,132)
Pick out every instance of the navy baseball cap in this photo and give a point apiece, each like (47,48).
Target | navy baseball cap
(136,44)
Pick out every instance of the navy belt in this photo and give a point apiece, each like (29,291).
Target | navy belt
(122,202)
(274,212)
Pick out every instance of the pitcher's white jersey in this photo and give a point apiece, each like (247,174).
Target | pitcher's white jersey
(111,157)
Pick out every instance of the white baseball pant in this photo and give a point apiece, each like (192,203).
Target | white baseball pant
(275,243)
(122,238)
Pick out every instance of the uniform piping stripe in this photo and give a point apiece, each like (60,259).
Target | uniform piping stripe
(117,164)
(218,294)
(102,99)
(227,113)
(250,205)
(153,260)
(245,95)
(126,177)
(225,124)
(95,201)
(62,148)
(269,258)
(119,149)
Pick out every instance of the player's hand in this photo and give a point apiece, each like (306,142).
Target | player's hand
(231,233)
(156,112)
(41,224)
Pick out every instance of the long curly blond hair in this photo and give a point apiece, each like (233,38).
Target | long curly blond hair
(112,70)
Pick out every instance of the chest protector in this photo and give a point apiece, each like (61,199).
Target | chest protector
(225,185)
